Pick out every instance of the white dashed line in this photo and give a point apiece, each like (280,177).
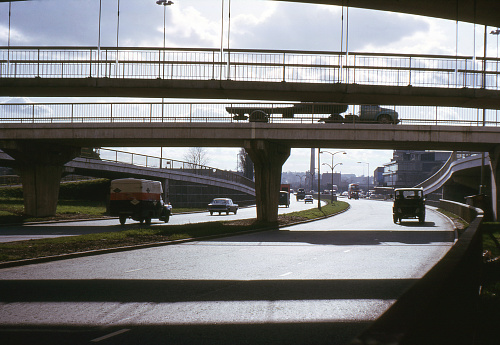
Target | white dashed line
(110,335)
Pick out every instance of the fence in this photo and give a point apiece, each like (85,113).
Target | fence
(232,113)
(250,65)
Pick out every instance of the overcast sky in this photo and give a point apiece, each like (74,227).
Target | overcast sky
(259,24)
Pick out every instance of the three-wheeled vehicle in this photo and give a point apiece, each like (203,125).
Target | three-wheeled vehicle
(409,203)
(138,199)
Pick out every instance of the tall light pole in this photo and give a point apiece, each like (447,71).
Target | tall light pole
(332,167)
(334,153)
(300,177)
(367,173)
(164,3)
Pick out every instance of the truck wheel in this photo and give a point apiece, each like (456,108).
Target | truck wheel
(123,219)
(259,116)
(384,118)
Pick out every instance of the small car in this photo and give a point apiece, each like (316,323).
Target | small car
(222,205)
(409,203)
(308,198)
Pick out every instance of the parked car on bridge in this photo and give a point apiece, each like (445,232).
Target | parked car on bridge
(409,203)
(308,198)
(222,205)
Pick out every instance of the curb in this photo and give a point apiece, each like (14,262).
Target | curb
(17,263)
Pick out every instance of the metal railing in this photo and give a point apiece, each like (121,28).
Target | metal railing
(147,161)
(445,71)
(202,112)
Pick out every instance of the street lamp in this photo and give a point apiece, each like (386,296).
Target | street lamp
(332,167)
(165,3)
(332,154)
(300,177)
(368,174)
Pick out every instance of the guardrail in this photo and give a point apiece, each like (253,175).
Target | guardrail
(441,308)
(147,161)
(197,112)
(250,65)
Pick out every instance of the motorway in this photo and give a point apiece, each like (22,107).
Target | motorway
(315,283)
(59,229)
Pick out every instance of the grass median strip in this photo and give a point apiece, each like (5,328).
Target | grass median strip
(12,251)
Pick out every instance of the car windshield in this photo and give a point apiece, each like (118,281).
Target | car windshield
(219,201)
(409,194)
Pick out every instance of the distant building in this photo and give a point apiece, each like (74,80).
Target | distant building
(409,168)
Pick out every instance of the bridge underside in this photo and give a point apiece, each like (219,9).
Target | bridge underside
(472,11)
(228,89)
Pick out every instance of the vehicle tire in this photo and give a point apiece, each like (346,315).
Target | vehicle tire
(148,221)
(227,213)
(259,116)
(141,220)
(220,213)
(395,218)
(335,118)
(123,219)
(211,213)
(421,219)
(167,218)
(235,211)
(384,118)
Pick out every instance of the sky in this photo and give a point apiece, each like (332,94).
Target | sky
(254,24)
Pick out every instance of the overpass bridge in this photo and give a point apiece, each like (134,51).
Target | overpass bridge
(279,75)
(185,184)
(43,143)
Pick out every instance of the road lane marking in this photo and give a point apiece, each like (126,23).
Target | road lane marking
(286,274)
(137,269)
(96,340)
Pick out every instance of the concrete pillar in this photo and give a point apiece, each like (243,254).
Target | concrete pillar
(268,158)
(495,181)
(40,167)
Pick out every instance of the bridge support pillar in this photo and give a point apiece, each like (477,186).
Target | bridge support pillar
(40,167)
(495,181)
(268,158)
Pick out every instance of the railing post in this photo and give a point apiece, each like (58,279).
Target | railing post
(284,67)
(409,73)
(90,66)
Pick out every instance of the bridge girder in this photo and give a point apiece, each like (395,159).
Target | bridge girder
(472,11)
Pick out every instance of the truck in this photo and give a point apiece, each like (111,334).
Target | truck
(367,113)
(301,193)
(138,199)
(353,191)
(284,198)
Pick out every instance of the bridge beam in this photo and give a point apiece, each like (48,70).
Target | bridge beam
(40,167)
(268,158)
(495,181)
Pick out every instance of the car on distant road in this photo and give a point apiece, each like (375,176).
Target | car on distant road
(222,205)
(308,198)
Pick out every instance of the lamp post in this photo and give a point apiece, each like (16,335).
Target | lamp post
(165,3)
(332,167)
(333,154)
(300,177)
(368,174)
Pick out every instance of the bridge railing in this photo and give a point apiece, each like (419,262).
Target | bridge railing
(157,112)
(149,161)
(445,71)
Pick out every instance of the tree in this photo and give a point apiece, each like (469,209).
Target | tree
(245,164)
(196,156)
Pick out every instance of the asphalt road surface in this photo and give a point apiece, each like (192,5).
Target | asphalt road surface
(315,283)
(59,229)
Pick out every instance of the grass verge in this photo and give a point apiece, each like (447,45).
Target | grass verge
(19,250)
